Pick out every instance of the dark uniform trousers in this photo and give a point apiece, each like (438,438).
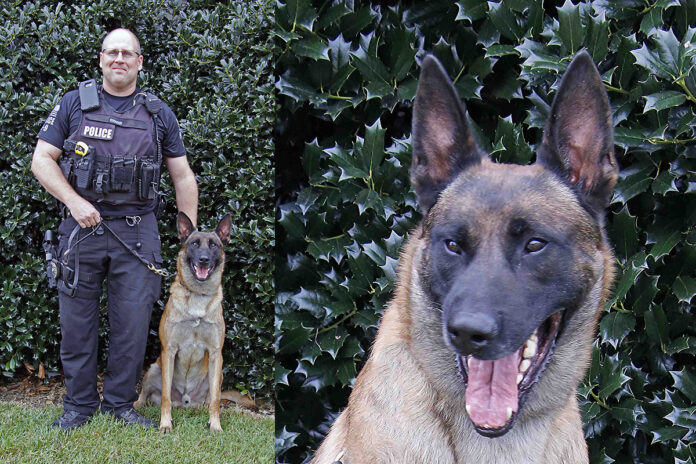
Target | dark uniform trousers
(132,290)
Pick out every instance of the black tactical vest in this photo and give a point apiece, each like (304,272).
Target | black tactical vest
(114,157)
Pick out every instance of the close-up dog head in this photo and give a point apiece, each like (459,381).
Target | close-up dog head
(515,259)
(202,254)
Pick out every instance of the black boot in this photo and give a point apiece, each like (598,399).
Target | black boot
(132,417)
(70,420)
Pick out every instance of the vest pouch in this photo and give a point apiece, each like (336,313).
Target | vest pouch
(148,174)
(122,174)
(66,167)
(84,170)
(101,173)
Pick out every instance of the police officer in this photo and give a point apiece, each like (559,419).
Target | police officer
(113,138)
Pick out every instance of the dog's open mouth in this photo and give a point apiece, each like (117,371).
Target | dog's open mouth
(201,272)
(495,389)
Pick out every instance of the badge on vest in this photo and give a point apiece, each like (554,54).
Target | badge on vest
(101,132)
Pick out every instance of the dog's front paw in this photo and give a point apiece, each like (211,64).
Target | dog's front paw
(215,426)
(165,427)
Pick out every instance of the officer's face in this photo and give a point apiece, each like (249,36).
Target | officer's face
(119,72)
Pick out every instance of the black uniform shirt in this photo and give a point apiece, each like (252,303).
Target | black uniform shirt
(65,119)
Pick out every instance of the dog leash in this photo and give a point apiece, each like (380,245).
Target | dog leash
(148,264)
(151,266)
(76,274)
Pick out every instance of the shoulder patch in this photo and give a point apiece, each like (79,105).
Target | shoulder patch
(51,118)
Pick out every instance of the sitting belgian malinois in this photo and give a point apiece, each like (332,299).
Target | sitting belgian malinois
(480,353)
(192,329)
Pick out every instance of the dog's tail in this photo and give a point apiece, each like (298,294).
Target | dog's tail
(244,401)
(151,386)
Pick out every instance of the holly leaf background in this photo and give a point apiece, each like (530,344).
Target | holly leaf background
(345,211)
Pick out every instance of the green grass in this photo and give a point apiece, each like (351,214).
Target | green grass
(26,437)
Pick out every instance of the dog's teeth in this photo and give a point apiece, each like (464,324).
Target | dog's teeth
(468,362)
(534,339)
(468,410)
(508,414)
(524,365)
(530,349)
(519,378)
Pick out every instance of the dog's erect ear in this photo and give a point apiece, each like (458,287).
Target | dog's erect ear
(223,228)
(184,226)
(578,139)
(442,142)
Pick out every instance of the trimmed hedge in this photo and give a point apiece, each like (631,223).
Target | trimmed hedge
(211,62)
(347,75)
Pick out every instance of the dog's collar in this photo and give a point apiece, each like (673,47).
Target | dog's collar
(189,289)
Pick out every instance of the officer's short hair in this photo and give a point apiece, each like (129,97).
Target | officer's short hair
(137,41)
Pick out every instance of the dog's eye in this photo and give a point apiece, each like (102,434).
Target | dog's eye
(534,245)
(213,245)
(453,247)
(195,243)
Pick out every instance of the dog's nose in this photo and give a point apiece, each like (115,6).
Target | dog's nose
(203,259)
(471,333)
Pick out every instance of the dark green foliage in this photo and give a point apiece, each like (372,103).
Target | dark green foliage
(346,76)
(211,62)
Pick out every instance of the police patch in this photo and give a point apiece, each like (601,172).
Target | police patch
(101,132)
(51,118)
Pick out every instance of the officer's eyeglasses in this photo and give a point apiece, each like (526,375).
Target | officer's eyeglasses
(113,53)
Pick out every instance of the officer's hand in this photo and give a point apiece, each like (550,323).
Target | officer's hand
(84,212)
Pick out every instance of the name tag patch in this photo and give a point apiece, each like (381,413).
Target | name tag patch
(101,132)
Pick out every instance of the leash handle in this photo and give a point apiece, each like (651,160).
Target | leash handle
(76,231)
(70,287)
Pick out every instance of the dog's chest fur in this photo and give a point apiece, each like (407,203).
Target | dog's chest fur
(195,328)
(191,365)
(197,307)
(195,319)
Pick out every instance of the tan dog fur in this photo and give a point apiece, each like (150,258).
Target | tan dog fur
(188,372)
(407,404)
(399,391)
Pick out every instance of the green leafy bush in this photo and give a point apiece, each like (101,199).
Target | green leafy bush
(347,74)
(211,62)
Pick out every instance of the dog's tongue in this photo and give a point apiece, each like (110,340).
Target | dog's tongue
(201,272)
(492,389)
